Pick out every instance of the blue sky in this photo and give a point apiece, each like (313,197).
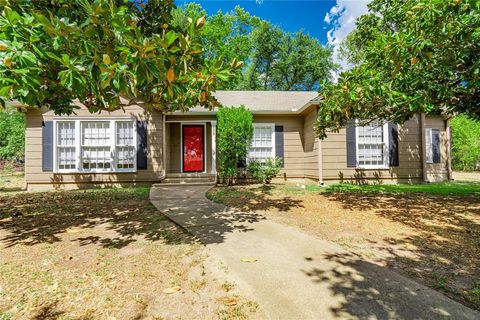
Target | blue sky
(329,21)
(289,15)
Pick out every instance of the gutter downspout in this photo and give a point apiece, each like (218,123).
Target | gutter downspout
(320,162)
(424,147)
(320,157)
(448,129)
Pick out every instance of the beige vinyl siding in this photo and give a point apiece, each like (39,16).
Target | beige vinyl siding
(37,179)
(335,169)
(310,145)
(173,148)
(293,142)
(438,171)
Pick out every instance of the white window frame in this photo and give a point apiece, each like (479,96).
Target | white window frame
(58,146)
(386,159)
(428,145)
(263,125)
(78,137)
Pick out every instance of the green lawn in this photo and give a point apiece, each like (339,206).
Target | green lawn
(444,188)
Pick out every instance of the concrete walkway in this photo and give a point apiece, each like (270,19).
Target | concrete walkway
(298,276)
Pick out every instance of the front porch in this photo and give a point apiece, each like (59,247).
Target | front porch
(190,150)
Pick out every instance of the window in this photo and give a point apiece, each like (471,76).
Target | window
(95,145)
(263,142)
(432,145)
(372,145)
(66,157)
(125,145)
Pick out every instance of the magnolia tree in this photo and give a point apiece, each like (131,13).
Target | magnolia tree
(409,56)
(54,52)
(234,136)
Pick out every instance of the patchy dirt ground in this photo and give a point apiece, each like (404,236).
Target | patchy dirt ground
(434,239)
(105,254)
(12,181)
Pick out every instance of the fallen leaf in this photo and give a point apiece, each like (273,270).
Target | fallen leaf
(170,75)
(228,301)
(249,259)
(172,290)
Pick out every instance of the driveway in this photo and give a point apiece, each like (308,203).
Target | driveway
(297,276)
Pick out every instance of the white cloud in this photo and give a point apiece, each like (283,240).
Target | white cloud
(342,18)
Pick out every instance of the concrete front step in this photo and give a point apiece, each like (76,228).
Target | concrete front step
(189,180)
(191,175)
(171,184)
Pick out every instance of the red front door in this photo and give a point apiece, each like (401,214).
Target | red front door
(193,152)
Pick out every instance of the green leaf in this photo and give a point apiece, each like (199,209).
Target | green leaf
(170,37)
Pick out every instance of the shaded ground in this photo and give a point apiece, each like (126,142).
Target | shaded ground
(101,254)
(294,275)
(433,237)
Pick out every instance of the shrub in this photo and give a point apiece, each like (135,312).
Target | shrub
(465,143)
(12,135)
(234,136)
(266,171)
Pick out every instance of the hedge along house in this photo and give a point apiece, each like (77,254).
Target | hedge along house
(140,147)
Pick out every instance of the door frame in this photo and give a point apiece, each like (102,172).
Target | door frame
(204,124)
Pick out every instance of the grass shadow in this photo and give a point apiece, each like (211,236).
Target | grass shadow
(124,214)
(445,240)
(254,198)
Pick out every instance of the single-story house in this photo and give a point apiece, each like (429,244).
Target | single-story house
(141,146)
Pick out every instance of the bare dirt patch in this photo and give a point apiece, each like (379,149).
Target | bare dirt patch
(104,254)
(11,181)
(434,239)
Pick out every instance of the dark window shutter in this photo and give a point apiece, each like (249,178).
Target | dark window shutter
(393,144)
(47,146)
(142,145)
(436,145)
(279,143)
(351,147)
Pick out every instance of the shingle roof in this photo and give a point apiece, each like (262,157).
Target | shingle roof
(264,101)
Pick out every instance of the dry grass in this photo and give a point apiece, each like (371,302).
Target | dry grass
(431,237)
(102,254)
(11,181)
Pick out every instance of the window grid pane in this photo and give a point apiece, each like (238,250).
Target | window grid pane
(262,144)
(96,153)
(125,150)
(66,153)
(370,145)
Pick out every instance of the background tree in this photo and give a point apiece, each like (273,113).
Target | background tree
(97,51)
(409,57)
(274,59)
(465,143)
(234,136)
(12,134)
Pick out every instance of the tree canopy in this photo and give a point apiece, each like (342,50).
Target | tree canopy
(54,52)
(465,143)
(274,59)
(409,56)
